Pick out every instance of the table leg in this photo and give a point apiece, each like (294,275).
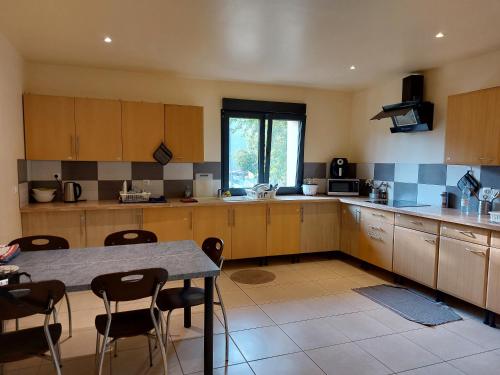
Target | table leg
(208,350)
(187,310)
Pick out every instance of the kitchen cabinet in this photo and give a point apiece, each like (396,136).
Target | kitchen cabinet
(67,224)
(142,130)
(214,222)
(283,228)
(49,127)
(350,229)
(320,227)
(249,231)
(98,129)
(416,255)
(473,128)
(418,223)
(493,295)
(479,236)
(169,224)
(184,132)
(376,243)
(462,270)
(100,223)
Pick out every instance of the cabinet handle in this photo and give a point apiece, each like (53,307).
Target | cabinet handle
(416,222)
(301,214)
(377,215)
(234,217)
(229,217)
(374,237)
(376,228)
(82,224)
(432,242)
(77,146)
(476,252)
(357,216)
(190,220)
(72,147)
(466,233)
(268,215)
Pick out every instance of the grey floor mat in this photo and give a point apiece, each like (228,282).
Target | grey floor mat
(410,305)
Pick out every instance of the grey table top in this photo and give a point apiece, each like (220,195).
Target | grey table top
(77,267)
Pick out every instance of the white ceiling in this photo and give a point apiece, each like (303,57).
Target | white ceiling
(299,42)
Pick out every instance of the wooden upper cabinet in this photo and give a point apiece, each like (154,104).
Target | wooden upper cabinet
(184,132)
(473,128)
(98,129)
(142,130)
(49,126)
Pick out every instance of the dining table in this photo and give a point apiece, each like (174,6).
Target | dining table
(184,260)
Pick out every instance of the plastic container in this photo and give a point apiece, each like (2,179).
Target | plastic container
(311,189)
(495,216)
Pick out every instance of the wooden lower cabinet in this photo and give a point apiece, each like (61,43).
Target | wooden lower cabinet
(213,222)
(320,227)
(350,229)
(248,234)
(67,224)
(100,223)
(169,224)
(493,292)
(416,255)
(462,270)
(376,243)
(283,228)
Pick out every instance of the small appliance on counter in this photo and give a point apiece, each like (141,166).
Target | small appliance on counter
(71,192)
(339,168)
(343,186)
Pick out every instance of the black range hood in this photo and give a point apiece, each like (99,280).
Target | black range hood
(412,114)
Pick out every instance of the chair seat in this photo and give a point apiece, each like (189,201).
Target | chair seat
(177,298)
(126,323)
(26,343)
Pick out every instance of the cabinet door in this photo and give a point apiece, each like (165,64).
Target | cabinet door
(142,130)
(416,255)
(493,293)
(49,127)
(213,222)
(320,227)
(249,231)
(184,132)
(376,243)
(169,224)
(491,136)
(98,129)
(350,229)
(67,224)
(462,270)
(100,223)
(464,138)
(283,228)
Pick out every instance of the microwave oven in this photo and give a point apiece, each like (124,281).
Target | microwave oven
(343,186)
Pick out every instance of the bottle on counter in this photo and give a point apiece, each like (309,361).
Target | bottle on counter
(465,202)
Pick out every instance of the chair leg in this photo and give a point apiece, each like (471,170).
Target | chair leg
(116,342)
(70,319)
(53,352)
(160,343)
(103,353)
(17,324)
(168,328)
(226,327)
(97,345)
(150,351)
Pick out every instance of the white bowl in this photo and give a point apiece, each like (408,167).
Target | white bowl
(44,195)
(310,189)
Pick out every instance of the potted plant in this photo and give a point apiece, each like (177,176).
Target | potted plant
(310,187)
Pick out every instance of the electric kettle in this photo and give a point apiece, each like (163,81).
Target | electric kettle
(71,192)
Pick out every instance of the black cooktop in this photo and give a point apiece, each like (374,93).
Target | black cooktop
(398,203)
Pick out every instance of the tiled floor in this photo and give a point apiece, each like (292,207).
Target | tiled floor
(307,321)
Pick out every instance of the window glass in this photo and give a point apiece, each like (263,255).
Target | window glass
(243,152)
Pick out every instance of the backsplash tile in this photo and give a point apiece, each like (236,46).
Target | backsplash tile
(365,171)
(490,176)
(178,171)
(43,170)
(110,190)
(22,171)
(79,170)
(430,194)
(110,170)
(176,188)
(314,170)
(155,187)
(432,174)
(405,191)
(456,172)
(384,171)
(404,172)
(147,171)
(90,190)
(208,167)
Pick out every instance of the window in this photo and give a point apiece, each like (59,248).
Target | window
(262,142)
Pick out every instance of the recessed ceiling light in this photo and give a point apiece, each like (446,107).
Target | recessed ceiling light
(439,35)
(352,67)
(108,40)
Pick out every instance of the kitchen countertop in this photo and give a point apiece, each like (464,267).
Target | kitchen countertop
(430,212)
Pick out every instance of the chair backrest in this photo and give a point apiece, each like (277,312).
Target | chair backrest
(41,242)
(130,237)
(21,300)
(213,248)
(129,286)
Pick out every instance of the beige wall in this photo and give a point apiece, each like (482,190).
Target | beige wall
(329,112)
(11,139)
(372,141)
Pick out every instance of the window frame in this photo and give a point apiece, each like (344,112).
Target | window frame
(267,113)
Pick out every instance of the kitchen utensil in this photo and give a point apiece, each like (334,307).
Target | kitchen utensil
(134,197)
(162,154)
(72,191)
(468,182)
(203,185)
(484,207)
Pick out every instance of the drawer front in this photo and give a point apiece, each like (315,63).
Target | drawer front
(495,239)
(462,270)
(370,214)
(416,255)
(465,233)
(376,244)
(417,223)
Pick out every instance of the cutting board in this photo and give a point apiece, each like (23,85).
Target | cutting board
(203,185)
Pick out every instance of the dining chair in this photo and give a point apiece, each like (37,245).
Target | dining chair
(23,300)
(130,237)
(171,299)
(45,242)
(129,286)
